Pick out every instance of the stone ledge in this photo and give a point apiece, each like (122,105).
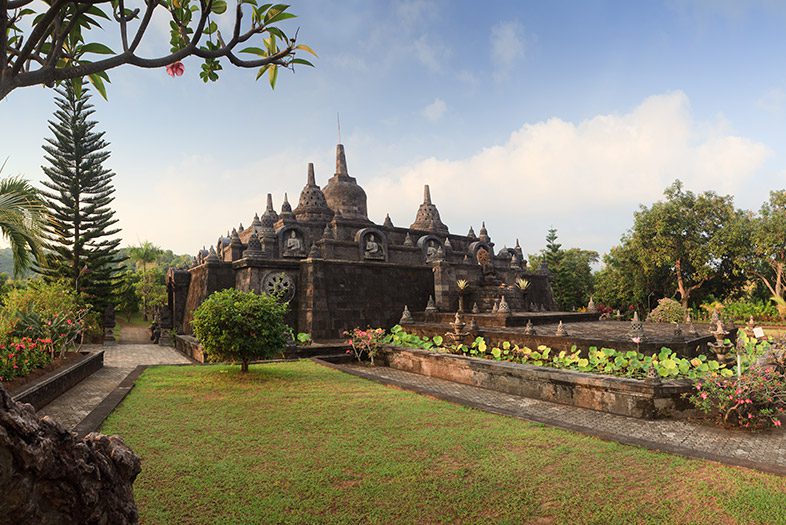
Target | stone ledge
(50,387)
(615,395)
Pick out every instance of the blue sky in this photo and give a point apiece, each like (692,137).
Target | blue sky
(525,115)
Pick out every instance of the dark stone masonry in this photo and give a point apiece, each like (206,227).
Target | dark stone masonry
(340,270)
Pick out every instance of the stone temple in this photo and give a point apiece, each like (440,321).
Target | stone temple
(340,270)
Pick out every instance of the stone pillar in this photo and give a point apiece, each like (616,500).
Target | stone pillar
(313,314)
(177,284)
(445,289)
(108,322)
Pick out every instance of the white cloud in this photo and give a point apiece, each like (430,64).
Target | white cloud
(585,177)
(435,110)
(431,53)
(772,101)
(507,47)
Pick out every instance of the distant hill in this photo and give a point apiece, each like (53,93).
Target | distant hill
(7,263)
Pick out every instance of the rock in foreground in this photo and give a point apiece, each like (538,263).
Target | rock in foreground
(49,476)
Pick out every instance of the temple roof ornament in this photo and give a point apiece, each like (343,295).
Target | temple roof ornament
(447,245)
(471,234)
(240,228)
(286,216)
(314,252)
(327,233)
(427,218)
(234,239)
(408,240)
(256,223)
(254,248)
(312,205)
(388,223)
(268,219)
(343,194)
(484,234)
(212,257)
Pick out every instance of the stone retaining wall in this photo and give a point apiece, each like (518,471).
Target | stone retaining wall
(616,395)
(190,347)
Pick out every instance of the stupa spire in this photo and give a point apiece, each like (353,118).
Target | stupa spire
(426,194)
(312,180)
(341,161)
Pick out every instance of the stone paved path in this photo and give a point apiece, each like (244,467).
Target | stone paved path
(764,450)
(134,335)
(70,408)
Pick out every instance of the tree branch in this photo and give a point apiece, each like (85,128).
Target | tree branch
(39,32)
(16,4)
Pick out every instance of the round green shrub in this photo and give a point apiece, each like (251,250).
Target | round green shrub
(240,326)
(668,311)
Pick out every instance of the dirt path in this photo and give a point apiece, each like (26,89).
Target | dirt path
(134,335)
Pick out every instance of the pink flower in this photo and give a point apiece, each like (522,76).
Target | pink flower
(636,340)
(777,422)
(175,69)
(704,395)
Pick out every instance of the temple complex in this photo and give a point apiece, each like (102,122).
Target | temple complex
(340,270)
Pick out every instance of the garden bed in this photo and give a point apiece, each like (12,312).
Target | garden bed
(46,384)
(617,395)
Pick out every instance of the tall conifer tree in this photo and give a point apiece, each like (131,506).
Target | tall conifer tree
(81,235)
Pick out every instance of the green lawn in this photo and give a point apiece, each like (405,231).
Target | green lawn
(299,443)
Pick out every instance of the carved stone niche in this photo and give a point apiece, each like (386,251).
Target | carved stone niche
(432,248)
(372,244)
(292,242)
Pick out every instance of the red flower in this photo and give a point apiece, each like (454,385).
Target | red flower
(176,69)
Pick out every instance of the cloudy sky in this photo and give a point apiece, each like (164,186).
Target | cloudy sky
(525,115)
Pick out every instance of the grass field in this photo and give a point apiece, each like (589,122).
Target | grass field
(298,443)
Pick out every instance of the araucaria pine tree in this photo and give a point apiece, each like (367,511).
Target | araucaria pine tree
(81,234)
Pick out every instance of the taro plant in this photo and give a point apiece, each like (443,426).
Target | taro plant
(303,339)
(240,326)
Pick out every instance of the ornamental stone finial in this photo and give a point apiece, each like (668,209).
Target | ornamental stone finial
(430,306)
(341,161)
(561,332)
(406,316)
(426,194)
(311,179)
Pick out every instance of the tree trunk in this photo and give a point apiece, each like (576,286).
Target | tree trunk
(684,295)
(244,365)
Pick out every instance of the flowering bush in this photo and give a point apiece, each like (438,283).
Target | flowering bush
(668,311)
(61,330)
(20,357)
(365,342)
(754,400)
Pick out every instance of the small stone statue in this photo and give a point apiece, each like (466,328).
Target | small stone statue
(591,308)
(406,316)
(503,306)
(495,308)
(430,306)
(294,246)
(373,249)
(529,329)
(475,309)
(561,332)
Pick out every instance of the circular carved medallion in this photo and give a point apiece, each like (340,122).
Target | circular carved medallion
(279,284)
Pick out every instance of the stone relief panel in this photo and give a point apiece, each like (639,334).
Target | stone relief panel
(280,284)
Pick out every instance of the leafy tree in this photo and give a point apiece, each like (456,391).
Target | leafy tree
(571,272)
(769,244)
(22,218)
(622,281)
(128,300)
(151,290)
(698,238)
(145,254)
(49,42)
(81,243)
(240,326)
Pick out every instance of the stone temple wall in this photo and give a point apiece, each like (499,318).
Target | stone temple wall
(339,295)
(205,279)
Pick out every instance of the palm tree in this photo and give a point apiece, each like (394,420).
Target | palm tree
(144,254)
(22,217)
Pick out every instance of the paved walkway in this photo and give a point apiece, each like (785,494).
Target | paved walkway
(72,407)
(763,451)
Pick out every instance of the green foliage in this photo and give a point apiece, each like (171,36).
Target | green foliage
(767,259)
(128,301)
(668,311)
(240,326)
(686,245)
(22,219)
(81,234)
(571,272)
(150,289)
(37,323)
(49,42)
(303,339)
